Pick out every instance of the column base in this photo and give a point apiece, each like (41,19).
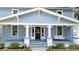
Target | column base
(27,42)
(76,40)
(49,42)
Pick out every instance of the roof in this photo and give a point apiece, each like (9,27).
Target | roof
(40,9)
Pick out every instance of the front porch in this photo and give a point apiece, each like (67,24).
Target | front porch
(37,35)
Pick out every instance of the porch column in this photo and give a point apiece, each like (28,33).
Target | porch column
(77,34)
(49,39)
(27,40)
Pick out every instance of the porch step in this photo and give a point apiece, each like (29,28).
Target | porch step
(38,44)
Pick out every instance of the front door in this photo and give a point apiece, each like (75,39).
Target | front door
(37,33)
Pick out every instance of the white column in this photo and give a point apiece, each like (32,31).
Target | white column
(27,40)
(76,40)
(49,39)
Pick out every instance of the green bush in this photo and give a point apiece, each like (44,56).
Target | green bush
(73,46)
(60,46)
(1,45)
(14,46)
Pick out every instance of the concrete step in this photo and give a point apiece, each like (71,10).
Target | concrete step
(38,44)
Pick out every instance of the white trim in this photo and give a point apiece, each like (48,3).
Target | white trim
(33,37)
(15,9)
(59,19)
(17,19)
(43,37)
(42,9)
(49,40)
(59,36)
(39,12)
(60,14)
(60,11)
(12,31)
(36,24)
(27,40)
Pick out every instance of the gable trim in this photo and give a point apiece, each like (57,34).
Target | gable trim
(42,9)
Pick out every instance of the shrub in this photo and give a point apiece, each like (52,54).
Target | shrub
(73,46)
(60,46)
(14,46)
(1,45)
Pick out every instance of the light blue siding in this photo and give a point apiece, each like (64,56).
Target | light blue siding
(42,18)
(5,12)
(22,32)
(67,32)
(7,33)
(68,13)
(8,11)
(35,18)
(7,38)
(65,21)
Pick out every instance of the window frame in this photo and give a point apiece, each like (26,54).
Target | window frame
(12,31)
(57,31)
(60,11)
(32,36)
(15,9)
(42,32)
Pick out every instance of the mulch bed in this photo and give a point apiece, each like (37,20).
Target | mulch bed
(15,50)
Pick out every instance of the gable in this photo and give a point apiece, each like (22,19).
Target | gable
(39,15)
(34,17)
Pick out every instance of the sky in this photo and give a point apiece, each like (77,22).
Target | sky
(39,3)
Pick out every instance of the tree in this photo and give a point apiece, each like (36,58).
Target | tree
(76,14)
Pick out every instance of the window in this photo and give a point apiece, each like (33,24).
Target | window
(14,30)
(59,30)
(59,11)
(14,11)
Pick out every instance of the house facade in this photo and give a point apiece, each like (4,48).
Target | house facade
(37,27)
